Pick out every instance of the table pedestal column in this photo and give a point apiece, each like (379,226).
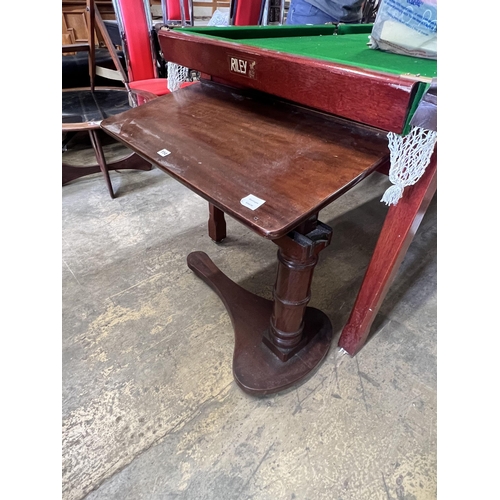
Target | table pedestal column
(277,343)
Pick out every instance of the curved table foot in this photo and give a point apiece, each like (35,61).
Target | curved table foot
(132,162)
(257,370)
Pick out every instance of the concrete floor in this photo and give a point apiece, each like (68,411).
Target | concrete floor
(150,408)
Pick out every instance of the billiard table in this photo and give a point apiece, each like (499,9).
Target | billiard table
(330,68)
(281,125)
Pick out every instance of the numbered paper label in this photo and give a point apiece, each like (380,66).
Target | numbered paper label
(252,202)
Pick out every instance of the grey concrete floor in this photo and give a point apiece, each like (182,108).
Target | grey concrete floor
(150,407)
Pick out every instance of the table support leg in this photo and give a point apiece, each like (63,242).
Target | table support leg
(400,225)
(277,343)
(216,224)
(131,162)
(101,160)
(297,258)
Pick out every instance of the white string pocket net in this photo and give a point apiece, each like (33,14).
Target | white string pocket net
(410,156)
(176,75)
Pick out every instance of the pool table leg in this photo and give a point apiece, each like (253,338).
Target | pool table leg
(277,342)
(400,225)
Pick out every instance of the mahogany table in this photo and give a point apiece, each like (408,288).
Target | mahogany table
(84,109)
(272,166)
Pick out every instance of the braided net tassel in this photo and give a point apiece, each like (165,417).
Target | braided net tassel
(177,75)
(410,156)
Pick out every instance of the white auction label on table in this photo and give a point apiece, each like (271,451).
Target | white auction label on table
(164,152)
(252,202)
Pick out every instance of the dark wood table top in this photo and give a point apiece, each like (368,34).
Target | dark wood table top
(226,145)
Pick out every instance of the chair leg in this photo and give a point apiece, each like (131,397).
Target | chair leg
(101,160)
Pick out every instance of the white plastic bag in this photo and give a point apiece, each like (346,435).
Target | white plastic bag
(219,18)
(406,27)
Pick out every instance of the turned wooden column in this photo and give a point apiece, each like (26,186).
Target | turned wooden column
(297,258)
